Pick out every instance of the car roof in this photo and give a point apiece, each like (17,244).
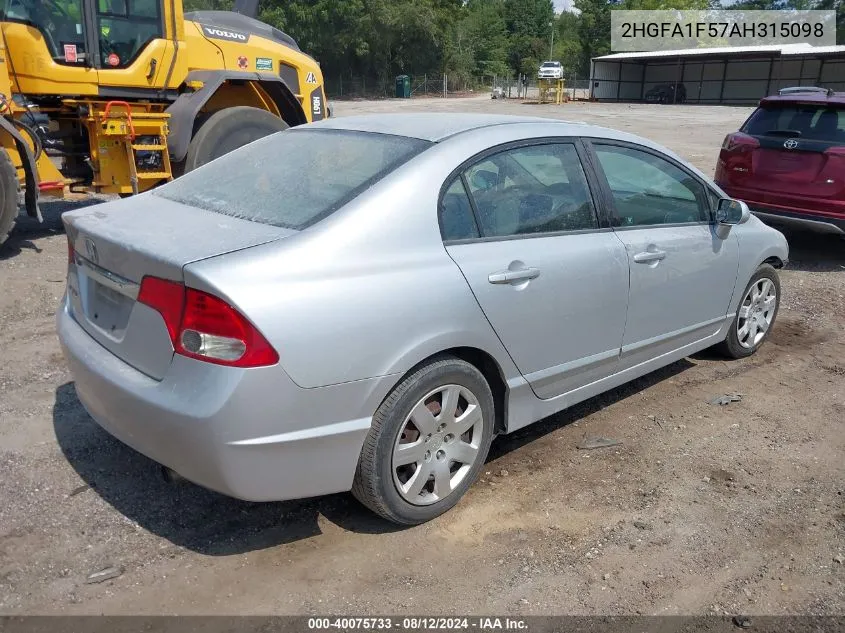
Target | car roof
(809,98)
(437,127)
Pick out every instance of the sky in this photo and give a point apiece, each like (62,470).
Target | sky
(562,5)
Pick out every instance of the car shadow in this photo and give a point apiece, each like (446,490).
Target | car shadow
(508,443)
(185,514)
(814,252)
(28,231)
(209,523)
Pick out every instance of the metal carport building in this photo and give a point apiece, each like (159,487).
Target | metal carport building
(730,75)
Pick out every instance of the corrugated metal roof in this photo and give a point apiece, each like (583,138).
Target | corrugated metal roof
(727,51)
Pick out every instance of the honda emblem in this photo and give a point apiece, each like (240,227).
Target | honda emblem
(91,249)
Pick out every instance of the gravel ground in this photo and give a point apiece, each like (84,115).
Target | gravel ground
(702,509)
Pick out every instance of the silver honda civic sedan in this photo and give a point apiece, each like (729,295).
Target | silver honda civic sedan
(365,303)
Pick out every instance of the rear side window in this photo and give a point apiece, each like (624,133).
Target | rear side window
(456,218)
(295,178)
(531,190)
(808,121)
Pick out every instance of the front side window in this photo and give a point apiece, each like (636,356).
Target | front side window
(650,190)
(126,27)
(531,190)
(59,21)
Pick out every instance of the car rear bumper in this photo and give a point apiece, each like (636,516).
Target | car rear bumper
(790,210)
(247,433)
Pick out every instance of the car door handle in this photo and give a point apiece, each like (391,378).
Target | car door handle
(509,276)
(647,257)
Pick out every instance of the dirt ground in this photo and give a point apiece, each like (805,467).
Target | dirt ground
(703,508)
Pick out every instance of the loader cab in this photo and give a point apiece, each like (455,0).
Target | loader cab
(124,41)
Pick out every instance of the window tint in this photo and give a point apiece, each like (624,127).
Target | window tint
(537,189)
(293,178)
(126,26)
(650,190)
(456,219)
(813,122)
(60,22)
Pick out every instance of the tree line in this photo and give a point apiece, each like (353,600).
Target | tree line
(466,39)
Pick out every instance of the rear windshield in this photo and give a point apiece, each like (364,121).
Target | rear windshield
(294,178)
(813,122)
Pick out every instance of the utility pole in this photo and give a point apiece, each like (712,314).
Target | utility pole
(552,45)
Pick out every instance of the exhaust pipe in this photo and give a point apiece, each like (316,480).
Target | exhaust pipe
(171,476)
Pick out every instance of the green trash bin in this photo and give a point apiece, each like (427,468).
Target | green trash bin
(403,87)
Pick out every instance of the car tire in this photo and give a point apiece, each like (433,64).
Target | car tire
(744,337)
(418,491)
(227,130)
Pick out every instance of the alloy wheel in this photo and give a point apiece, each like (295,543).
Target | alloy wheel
(756,313)
(437,445)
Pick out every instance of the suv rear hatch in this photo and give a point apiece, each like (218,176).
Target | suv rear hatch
(112,247)
(788,149)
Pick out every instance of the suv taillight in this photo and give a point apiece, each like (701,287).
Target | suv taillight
(205,327)
(739,142)
(735,157)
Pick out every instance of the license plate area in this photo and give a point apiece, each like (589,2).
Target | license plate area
(798,165)
(103,300)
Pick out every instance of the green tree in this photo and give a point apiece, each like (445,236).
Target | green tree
(568,50)
(477,43)
(593,30)
(529,25)
(839,7)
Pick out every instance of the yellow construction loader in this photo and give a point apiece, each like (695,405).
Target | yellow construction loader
(118,96)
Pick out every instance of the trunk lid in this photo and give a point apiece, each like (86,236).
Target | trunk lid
(115,245)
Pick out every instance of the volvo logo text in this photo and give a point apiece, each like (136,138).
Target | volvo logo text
(91,250)
(790,144)
(225,34)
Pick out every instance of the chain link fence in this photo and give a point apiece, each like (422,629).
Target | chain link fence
(425,85)
(440,85)
(528,88)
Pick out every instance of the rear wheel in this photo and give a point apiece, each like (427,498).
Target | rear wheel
(755,315)
(427,444)
(229,129)
(8,195)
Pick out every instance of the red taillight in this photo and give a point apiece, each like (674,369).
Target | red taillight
(70,251)
(167,298)
(735,159)
(205,327)
(739,142)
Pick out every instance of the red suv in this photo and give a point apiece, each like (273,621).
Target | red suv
(788,159)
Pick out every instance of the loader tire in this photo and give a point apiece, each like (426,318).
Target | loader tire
(230,129)
(9,188)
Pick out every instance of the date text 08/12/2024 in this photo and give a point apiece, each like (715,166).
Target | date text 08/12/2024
(418,624)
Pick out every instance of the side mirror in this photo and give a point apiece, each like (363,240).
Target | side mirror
(732,212)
